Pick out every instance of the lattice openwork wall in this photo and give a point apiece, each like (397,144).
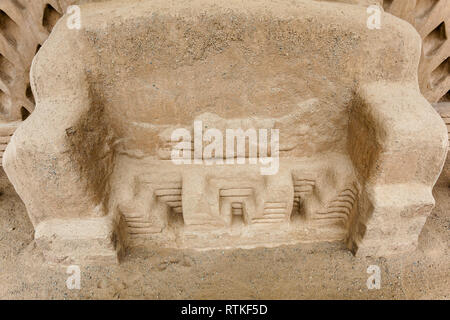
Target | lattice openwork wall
(431,18)
(24,26)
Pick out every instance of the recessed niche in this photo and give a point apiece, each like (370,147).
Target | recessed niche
(434,40)
(445,97)
(51,16)
(24,113)
(8,28)
(387,4)
(29,94)
(440,73)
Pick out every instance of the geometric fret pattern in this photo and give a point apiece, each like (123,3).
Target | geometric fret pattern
(302,188)
(340,207)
